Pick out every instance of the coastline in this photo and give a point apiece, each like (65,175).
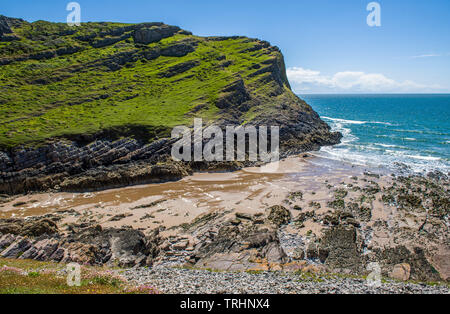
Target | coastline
(315,215)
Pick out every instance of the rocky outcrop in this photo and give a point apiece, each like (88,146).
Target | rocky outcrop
(240,246)
(6,24)
(30,228)
(154,34)
(41,240)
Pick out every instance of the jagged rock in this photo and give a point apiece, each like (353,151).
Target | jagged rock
(6,241)
(16,248)
(91,245)
(10,226)
(121,246)
(179,49)
(244,216)
(41,250)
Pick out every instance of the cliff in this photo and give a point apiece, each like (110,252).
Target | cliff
(93,106)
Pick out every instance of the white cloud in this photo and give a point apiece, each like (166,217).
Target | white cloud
(304,80)
(430,55)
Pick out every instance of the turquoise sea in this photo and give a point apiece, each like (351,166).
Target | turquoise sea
(385,130)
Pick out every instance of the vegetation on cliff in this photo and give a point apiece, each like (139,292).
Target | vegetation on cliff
(135,80)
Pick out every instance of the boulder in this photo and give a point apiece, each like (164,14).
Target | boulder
(278,215)
(401,272)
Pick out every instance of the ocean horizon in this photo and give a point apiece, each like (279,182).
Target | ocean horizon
(388,130)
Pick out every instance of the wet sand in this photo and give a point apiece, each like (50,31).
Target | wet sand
(146,207)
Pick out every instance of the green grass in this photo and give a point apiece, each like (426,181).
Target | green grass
(34,277)
(93,99)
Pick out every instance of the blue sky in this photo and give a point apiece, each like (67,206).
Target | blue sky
(328,46)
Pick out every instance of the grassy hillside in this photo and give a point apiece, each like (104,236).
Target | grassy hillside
(60,81)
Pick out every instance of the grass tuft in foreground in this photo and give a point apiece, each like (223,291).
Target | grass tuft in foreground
(34,277)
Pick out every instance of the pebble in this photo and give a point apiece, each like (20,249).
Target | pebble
(191,281)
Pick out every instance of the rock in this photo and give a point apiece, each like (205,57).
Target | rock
(154,34)
(10,226)
(311,269)
(312,251)
(181,49)
(274,253)
(39,227)
(42,250)
(278,215)
(299,254)
(235,247)
(178,69)
(244,216)
(338,248)
(120,217)
(401,272)
(353,222)
(6,241)
(92,244)
(181,245)
(32,228)
(19,246)
(235,222)
(420,268)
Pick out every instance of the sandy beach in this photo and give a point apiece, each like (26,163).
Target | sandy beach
(315,198)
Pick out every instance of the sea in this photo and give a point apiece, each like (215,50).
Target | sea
(406,132)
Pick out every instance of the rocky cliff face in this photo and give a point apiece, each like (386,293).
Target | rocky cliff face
(91,107)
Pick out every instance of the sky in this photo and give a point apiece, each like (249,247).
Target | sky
(328,45)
